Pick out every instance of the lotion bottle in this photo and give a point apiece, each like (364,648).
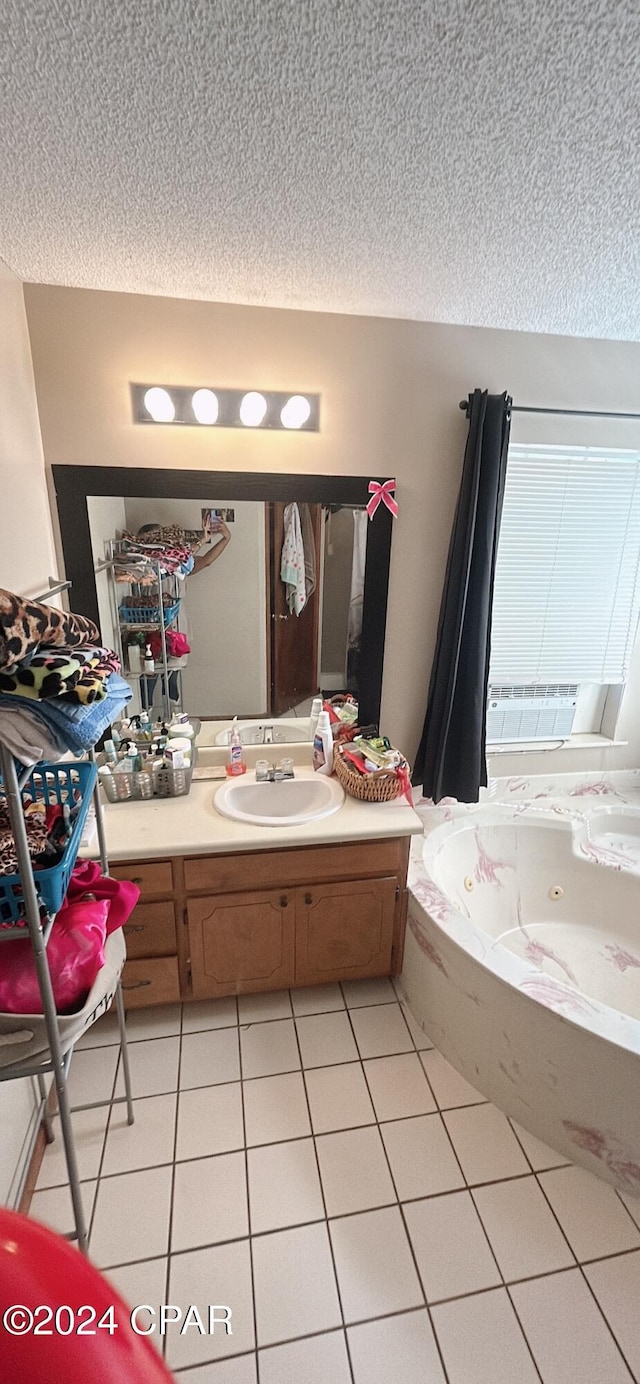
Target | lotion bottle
(323,745)
(316,708)
(236,762)
(149,661)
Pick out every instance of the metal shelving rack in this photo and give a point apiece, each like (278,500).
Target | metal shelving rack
(163,669)
(58,1059)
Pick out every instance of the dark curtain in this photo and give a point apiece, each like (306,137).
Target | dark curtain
(451,759)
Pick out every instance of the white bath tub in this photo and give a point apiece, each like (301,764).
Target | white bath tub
(522,964)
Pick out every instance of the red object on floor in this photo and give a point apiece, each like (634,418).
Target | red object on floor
(40,1269)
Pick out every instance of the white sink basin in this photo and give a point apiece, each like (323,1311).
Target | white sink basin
(288,803)
(281,732)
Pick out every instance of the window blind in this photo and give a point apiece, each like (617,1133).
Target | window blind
(567,586)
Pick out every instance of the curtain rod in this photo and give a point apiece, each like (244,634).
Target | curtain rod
(564,412)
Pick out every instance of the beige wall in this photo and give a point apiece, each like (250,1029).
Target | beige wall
(26,559)
(390,392)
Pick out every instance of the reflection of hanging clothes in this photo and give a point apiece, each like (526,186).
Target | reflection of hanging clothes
(356,600)
(298,561)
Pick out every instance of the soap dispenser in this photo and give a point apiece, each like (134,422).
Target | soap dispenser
(236,762)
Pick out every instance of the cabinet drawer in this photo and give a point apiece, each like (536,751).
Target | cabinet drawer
(221,874)
(241,943)
(151,930)
(154,981)
(152,877)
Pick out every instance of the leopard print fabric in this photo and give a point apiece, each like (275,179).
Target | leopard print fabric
(26,624)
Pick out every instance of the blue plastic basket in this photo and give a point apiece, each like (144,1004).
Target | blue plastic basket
(71,783)
(148,615)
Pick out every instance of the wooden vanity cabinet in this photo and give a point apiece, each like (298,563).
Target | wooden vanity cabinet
(242,923)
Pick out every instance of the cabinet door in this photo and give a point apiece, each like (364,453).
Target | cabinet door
(344,931)
(241,942)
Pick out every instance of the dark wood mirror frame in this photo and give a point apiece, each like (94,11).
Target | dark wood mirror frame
(74,483)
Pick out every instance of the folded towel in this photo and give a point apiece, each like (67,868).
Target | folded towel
(26,624)
(75,727)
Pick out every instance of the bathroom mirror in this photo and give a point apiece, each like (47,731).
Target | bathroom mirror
(260,646)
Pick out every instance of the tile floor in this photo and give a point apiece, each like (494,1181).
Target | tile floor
(311,1161)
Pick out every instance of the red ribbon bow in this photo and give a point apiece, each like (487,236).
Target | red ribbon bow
(380,492)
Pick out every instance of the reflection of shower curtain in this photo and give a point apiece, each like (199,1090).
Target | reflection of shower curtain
(356,601)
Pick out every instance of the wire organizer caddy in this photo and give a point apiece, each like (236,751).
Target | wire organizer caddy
(30,901)
(151,616)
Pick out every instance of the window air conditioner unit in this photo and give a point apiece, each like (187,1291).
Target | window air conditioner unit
(531,711)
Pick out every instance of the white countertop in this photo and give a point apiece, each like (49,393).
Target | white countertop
(192,826)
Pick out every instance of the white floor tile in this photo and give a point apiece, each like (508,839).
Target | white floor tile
(210,1120)
(359,993)
(449,1088)
(53,1207)
(354,1171)
(209,1201)
(268,1049)
(295,1287)
(220,1275)
(421,1041)
(593,1218)
(255,1009)
(158,1021)
(91,1075)
(485,1143)
(89,1127)
(209,1058)
(381,1030)
(481,1341)
(399,1087)
(375,1268)
(145,1143)
(524,1233)
(540,1155)
(318,1360)
(154,1067)
(201,1014)
(325,1039)
(316,999)
(132,1217)
(422,1160)
(144,1282)
(616,1284)
(338,1097)
(632,1204)
(275,1107)
(566,1332)
(450,1246)
(240,1370)
(284,1185)
(396,1348)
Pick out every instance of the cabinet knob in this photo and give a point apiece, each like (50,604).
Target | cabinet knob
(130,928)
(284,901)
(308,899)
(135,984)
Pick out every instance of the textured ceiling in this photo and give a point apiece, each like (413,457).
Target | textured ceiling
(469,161)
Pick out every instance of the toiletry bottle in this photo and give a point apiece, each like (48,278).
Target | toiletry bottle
(134,655)
(236,762)
(323,745)
(316,708)
(149,661)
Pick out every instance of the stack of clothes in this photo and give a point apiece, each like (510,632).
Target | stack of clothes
(137,561)
(59,689)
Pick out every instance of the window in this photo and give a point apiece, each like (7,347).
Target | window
(567,587)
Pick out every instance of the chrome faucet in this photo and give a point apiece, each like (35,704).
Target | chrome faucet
(274,773)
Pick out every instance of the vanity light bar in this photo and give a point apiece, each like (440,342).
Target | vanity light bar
(225,408)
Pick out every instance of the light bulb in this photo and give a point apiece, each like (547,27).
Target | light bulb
(295,412)
(160,405)
(253,409)
(205,406)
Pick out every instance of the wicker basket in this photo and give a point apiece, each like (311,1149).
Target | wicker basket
(381,786)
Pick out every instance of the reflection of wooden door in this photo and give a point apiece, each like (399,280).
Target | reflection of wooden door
(294,638)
